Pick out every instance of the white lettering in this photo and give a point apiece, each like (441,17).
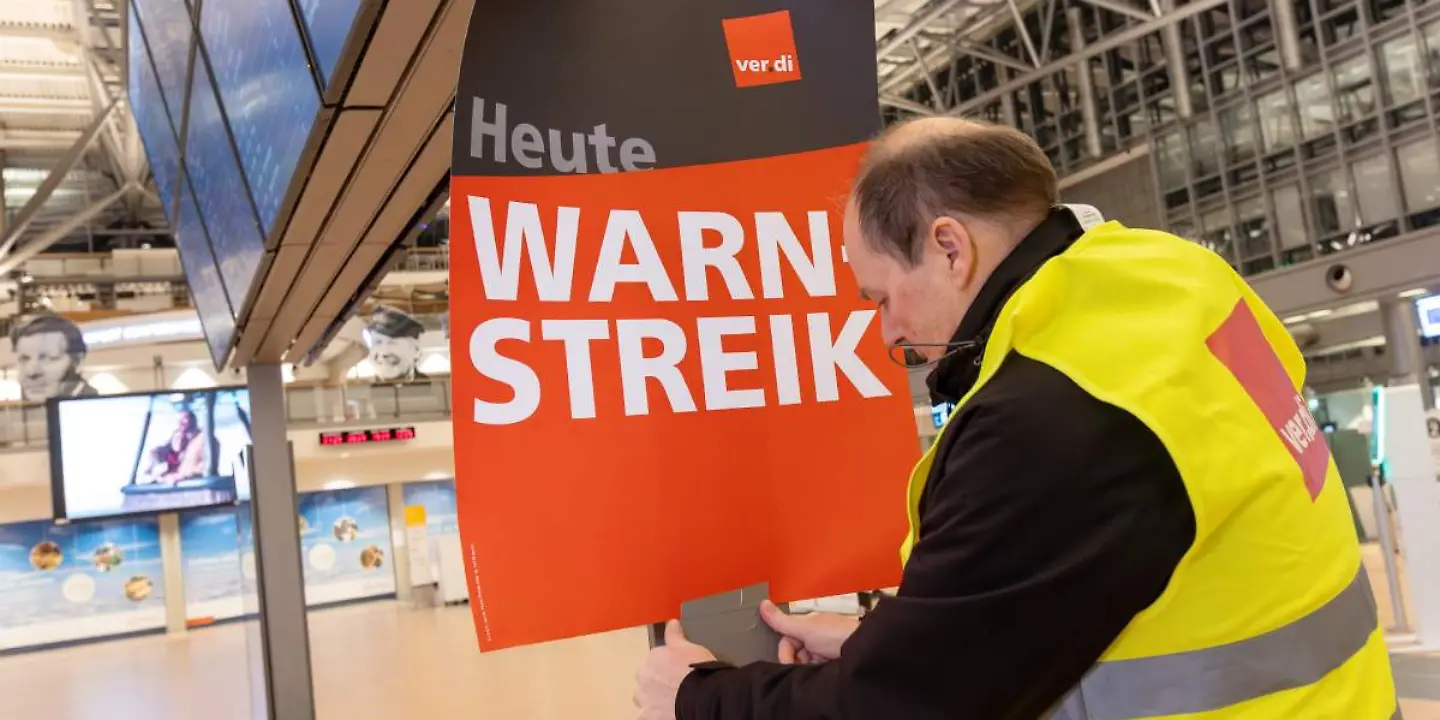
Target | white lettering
(716,363)
(487,360)
(696,257)
(827,355)
(501,275)
(577,336)
(636,368)
(527,144)
(774,235)
(610,270)
(787,363)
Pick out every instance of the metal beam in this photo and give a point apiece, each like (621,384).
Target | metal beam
(57,175)
(907,105)
(941,53)
(45,106)
(897,40)
(1110,42)
(1024,32)
(1089,110)
(38,139)
(1123,8)
(28,71)
(992,55)
(43,241)
(935,98)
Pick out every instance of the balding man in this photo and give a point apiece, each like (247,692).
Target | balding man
(1130,514)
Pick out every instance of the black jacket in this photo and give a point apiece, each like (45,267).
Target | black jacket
(1049,520)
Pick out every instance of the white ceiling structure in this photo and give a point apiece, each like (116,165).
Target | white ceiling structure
(62,64)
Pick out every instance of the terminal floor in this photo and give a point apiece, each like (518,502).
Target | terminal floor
(386,661)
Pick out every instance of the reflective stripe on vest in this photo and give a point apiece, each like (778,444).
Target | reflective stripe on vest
(1296,655)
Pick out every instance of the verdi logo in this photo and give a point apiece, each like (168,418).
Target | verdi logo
(762,49)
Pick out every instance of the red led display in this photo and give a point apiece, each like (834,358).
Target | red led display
(361,437)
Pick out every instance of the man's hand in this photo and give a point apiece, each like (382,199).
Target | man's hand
(665,668)
(809,639)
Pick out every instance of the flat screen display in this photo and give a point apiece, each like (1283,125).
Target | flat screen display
(215,179)
(269,94)
(152,120)
(329,23)
(1429,309)
(201,274)
(148,453)
(167,26)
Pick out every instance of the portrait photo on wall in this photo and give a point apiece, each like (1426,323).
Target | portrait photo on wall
(153,452)
(49,356)
(393,338)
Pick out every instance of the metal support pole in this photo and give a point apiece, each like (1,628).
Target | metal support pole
(280,681)
(4,208)
(404,580)
(1407,356)
(1007,109)
(903,35)
(173,563)
(1089,112)
(11,260)
(1287,37)
(1175,63)
(1381,504)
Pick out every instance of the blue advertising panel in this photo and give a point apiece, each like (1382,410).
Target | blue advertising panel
(62,583)
(207,292)
(215,569)
(126,454)
(167,27)
(269,95)
(438,499)
(328,23)
(152,119)
(345,545)
(215,178)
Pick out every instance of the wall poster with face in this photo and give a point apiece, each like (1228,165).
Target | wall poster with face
(393,338)
(49,355)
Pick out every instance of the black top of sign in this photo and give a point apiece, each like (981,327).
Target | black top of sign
(661,71)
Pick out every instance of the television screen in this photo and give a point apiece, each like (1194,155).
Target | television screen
(215,177)
(1429,309)
(148,453)
(329,23)
(270,97)
(152,119)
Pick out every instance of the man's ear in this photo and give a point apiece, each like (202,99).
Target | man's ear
(952,239)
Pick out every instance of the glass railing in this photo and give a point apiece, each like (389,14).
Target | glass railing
(427,259)
(23,426)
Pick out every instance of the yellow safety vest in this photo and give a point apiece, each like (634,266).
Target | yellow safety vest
(1269,615)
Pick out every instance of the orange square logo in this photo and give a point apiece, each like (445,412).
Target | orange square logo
(762,49)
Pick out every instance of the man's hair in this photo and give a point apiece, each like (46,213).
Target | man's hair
(46,324)
(924,169)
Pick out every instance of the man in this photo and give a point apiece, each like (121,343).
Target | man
(49,351)
(393,338)
(1128,515)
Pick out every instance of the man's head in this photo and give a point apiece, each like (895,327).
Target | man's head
(394,341)
(48,354)
(938,204)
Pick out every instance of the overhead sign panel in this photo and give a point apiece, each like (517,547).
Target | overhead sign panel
(661,359)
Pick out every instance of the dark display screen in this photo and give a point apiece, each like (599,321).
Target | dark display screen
(362,437)
(328,22)
(152,121)
(203,277)
(270,97)
(167,26)
(215,178)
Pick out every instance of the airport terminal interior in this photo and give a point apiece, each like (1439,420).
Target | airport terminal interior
(1298,139)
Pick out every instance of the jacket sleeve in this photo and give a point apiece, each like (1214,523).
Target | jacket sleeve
(1056,519)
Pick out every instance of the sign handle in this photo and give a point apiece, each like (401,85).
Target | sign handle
(656,632)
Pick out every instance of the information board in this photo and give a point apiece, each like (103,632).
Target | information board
(152,119)
(219,191)
(207,292)
(268,91)
(661,359)
(167,25)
